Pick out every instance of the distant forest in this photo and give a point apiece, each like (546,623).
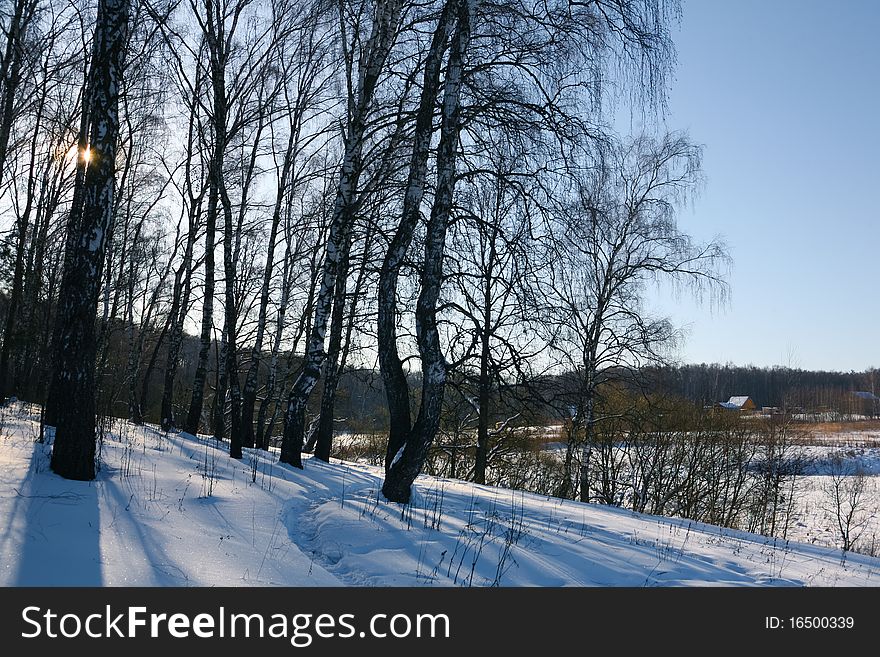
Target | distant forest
(767,386)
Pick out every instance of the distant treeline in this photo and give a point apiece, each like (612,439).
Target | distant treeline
(767,386)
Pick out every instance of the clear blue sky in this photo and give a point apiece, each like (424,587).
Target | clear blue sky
(785,97)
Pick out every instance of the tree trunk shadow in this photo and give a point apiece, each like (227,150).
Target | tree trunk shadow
(55,524)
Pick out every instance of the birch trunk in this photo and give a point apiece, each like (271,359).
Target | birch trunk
(390,363)
(74,218)
(249,394)
(409,461)
(376,51)
(587,446)
(337,354)
(73,453)
(197,400)
(323,436)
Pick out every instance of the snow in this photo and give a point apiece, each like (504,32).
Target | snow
(174,510)
(398,456)
(814,519)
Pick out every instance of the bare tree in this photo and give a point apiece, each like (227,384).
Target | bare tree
(217,22)
(192,192)
(410,458)
(847,500)
(342,325)
(304,57)
(618,235)
(22,63)
(47,114)
(73,454)
(362,76)
(519,69)
(23,12)
(305,232)
(492,271)
(391,365)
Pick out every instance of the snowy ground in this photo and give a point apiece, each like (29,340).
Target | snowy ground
(815,513)
(854,438)
(173,510)
(815,521)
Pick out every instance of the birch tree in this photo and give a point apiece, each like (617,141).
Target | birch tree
(496,324)
(619,235)
(304,58)
(218,22)
(410,457)
(73,453)
(530,71)
(390,362)
(23,12)
(192,193)
(41,175)
(362,78)
(33,65)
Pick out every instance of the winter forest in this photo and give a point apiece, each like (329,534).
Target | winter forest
(406,233)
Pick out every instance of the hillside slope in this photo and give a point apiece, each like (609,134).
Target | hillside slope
(174,510)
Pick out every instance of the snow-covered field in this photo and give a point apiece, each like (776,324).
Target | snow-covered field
(814,519)
(174,510)
(814,516)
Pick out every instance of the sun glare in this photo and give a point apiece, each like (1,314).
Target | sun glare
(74,153)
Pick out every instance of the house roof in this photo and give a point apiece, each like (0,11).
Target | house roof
(866,395)
(728,405)
(737,402)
